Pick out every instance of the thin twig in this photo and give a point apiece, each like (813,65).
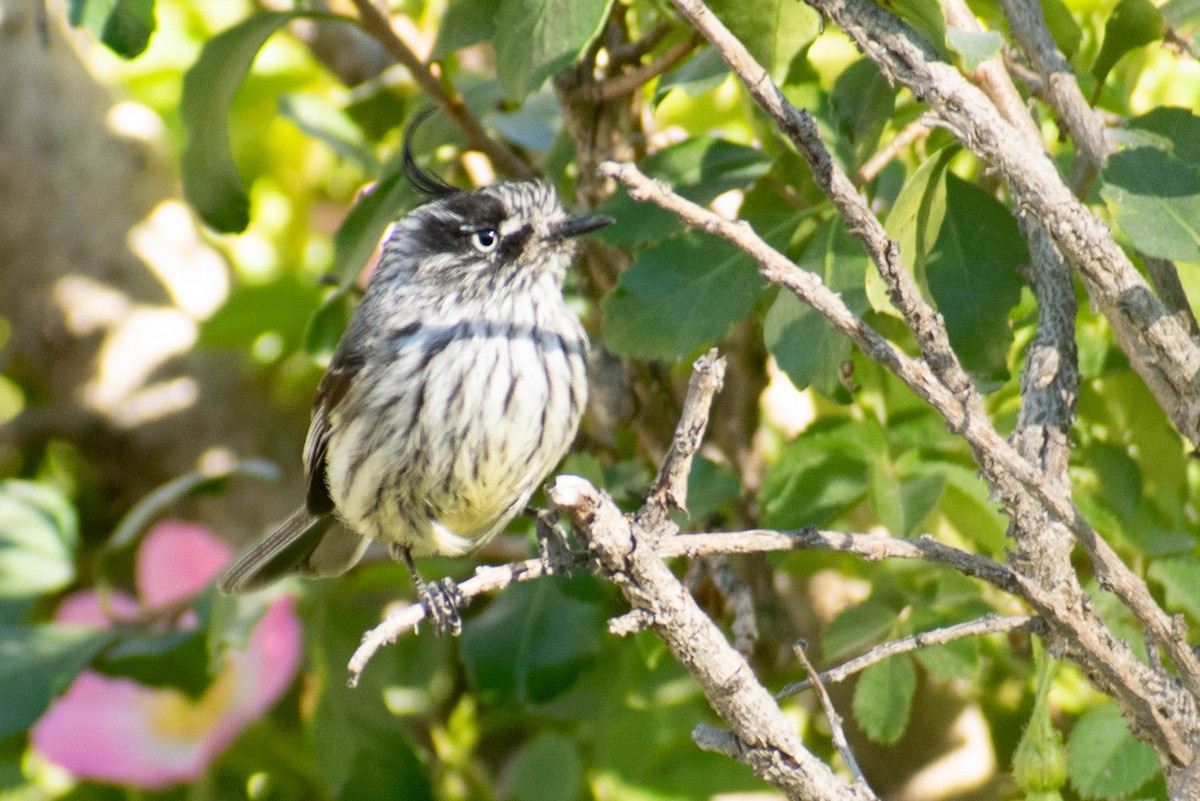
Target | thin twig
(375,23)
(632,52)
(639,76)
(669,490)
(915,130)
(872,547)
(831,714)
(989,624)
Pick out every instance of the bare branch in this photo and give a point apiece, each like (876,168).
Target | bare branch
(669,489)
(1159,346)
(1112,665)
(1060,89)
(915,130)
(376,24)
(831,714)
(624,554)
(639,76)
(990,624)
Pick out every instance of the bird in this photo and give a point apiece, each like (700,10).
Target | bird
(458,384)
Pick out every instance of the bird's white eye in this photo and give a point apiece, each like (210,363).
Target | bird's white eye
(485,239)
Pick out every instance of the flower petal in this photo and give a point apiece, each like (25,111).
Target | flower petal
(176,560)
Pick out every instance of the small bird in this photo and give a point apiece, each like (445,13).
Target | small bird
(457,386)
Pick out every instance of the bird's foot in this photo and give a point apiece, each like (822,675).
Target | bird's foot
(442,601)
(552,543)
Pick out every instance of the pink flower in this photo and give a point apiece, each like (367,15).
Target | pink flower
(118,731)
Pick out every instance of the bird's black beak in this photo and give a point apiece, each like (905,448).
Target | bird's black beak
(578,226)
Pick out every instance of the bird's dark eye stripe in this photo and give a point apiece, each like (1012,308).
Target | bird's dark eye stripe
(513,244)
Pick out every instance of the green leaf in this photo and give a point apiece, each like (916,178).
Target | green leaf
(37,664)
(326,326)
(699,169)
(856,629)
(359,234)
(211,182)
(1063,27)
(958,659)
(678,296)
(804,344)
(883,698)
(359,748)
(774,31)
(902,504)
(925,17)
(1120,478)
(703,71)
(915,221)
(547,769)
(819,476)
(282,307)
(1103,759)
(39,532)
(861,103)
(710,486)
(967,505)
(536,39)
(172,659)
(1155,198)
(1180,577)
(320,119)
(972,276)
(532,642)
(1173,129)
(124,26)
(1132,24)
(197,482)
(973,47)
(466,22)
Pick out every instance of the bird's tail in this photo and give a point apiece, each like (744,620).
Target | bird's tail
(304,543)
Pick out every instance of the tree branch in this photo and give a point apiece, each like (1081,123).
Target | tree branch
(1159,346)
(1110,664)
(636,78)
(990,624)
(375,23)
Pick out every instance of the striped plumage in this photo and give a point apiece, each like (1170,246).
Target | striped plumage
(458,385)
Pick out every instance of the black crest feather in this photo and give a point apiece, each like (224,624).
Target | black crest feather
(423,181)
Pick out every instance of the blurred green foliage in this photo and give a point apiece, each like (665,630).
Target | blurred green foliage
(536,701)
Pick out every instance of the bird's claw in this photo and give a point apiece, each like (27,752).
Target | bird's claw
(442,601)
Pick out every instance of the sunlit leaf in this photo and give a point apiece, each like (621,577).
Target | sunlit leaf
(535,39)
(679,295)
(973,47)
(1180,577)
(801,339)
(972,275)
(39,532)
(1104,760)
(1155,198)
(774,31)
(856,629)
(883,698)
(1132,24)
(211,181)
(124,26)
(466,22)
